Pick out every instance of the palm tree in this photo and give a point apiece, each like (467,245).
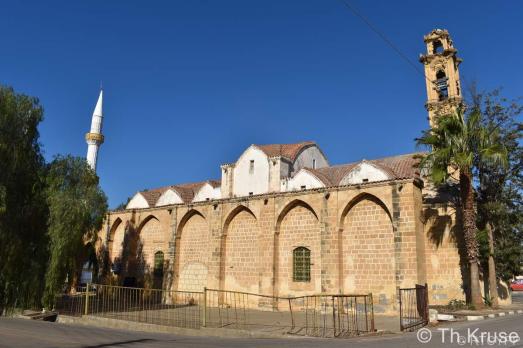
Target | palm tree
(458,141)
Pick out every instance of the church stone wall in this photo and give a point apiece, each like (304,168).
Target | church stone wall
(299,228)
(368,250)
(152,239)
(240,253)
(193,254)
(115,248)
(442,248)
(365,238)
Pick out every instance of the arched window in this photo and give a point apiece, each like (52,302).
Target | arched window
(301,265)
(437,47)
(158,263)
(441,85)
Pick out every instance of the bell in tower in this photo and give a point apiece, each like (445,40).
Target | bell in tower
(441,75)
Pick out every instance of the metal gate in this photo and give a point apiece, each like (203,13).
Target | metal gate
(414,307)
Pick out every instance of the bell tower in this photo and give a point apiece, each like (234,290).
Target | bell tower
(444,94)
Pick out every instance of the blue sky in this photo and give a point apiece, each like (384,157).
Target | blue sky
(190,84)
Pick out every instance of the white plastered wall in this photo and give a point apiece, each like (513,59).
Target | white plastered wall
(302,178)
(256,182)
(364,171)
(137,202)
(169,197)
(227,180)
(207,192)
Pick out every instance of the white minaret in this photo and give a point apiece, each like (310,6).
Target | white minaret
(95,138)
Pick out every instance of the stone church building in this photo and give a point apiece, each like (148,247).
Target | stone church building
(283,221)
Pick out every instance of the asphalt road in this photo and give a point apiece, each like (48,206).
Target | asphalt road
(16,333)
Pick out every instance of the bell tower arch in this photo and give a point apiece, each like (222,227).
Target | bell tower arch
(441,64)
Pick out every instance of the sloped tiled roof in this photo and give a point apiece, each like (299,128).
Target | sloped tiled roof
(396,167)
(289,151)
(185,191)
(402,166)
(151,196)
(331,176)
(215,183)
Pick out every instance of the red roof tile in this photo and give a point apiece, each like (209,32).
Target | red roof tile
(331,176)
(185,191)
(215,183)
(396,167)
(289,151)
(402,166)
(151,196)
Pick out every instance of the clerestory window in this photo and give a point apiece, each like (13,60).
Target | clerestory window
(301,269)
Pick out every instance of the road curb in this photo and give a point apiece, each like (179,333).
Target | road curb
(456,317)
(493,315)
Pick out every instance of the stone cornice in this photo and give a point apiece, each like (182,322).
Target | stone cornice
(449,52)
(434,104)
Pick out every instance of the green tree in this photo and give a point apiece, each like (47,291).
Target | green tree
(459,141)
(77,208)
(122,205)
(499,192)
(23,212)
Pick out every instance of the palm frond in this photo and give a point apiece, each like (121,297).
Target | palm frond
(459,140)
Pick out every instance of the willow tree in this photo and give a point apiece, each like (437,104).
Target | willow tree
(460,141)
(77,207)
(23,212)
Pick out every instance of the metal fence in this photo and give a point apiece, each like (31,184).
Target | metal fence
(314,315)
(332,315)
(153,306)
(246,311)
(414,307)
(72,303)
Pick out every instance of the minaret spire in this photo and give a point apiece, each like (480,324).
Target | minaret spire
(94,137)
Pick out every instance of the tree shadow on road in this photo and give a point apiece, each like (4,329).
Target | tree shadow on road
(120,343)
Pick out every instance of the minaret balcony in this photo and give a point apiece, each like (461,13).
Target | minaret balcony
(94,137)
